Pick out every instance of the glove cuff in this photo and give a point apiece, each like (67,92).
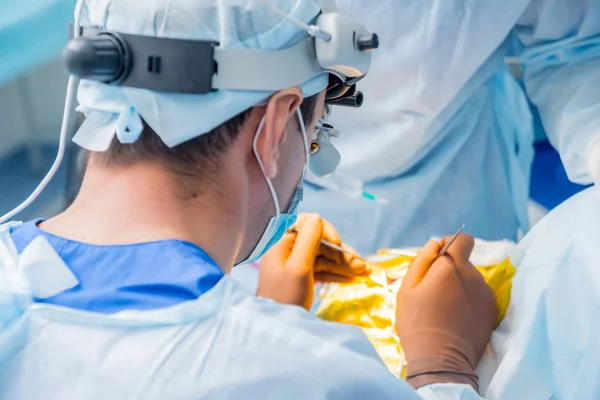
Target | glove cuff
(437,357)
(433,377)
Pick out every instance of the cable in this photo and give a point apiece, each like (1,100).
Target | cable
(69,100)
(312,30)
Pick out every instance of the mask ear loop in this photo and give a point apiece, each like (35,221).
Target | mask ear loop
(262,167)
(304,137)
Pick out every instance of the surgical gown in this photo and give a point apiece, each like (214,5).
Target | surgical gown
(547,347)
(113,329)
(445,133)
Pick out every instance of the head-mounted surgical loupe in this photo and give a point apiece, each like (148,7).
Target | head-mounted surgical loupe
(324,157)
(337,45)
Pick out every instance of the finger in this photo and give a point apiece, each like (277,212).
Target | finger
(325,265)
(345,260)
(445,240)
(299,221)
(332,254)
(357,264)
(281,251)
(328,277)
(307,243)
(331,235)
(421,264)
(461,249)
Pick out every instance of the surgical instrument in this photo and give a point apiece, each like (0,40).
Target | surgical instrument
(444,249)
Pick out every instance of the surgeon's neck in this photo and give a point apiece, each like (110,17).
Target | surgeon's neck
(142,203)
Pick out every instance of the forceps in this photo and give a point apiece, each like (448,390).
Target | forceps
(336,247)
(444,249)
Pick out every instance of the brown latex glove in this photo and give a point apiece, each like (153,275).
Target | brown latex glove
(289,270)
(445,316)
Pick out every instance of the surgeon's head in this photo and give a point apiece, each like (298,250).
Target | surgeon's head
(248,168)
(239,153)
(284,132)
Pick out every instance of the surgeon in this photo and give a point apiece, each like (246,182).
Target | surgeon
(548,347)
(446,136)
(126,294)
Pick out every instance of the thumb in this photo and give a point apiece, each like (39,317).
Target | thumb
(421,264)
(461,249)
(307,243)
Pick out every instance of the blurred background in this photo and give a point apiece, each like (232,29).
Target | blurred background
(32,91)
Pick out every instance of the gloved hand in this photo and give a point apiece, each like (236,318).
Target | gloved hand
(445,316)
(289,270)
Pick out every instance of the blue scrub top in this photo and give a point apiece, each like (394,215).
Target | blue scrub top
(141,276)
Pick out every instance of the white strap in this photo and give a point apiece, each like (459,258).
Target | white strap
(46,272)
(37,272)
(266,70)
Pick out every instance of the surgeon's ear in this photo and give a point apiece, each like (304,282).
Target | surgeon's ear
(281,107)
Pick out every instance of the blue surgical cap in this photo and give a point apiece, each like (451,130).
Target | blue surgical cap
(177,118)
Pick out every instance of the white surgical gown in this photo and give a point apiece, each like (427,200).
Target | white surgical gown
(227,344)
(445,133)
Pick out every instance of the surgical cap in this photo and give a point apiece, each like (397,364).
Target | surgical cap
(177,118)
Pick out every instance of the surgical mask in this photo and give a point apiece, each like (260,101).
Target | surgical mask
(281,222)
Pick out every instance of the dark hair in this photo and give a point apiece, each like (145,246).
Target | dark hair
(192,158)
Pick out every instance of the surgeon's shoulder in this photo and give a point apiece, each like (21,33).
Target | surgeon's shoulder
(296,346)
(575,224)
(274,320)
